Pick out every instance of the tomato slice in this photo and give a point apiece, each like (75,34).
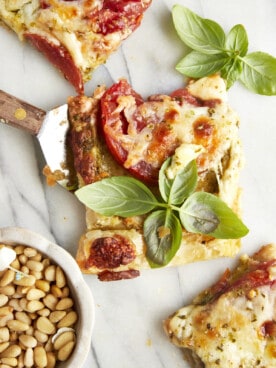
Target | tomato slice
(138,133)
(60,58)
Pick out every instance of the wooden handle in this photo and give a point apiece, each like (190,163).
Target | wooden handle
(20,114)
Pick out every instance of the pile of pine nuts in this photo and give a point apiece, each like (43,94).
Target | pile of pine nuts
(37,315)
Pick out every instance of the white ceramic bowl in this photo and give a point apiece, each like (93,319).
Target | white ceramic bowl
(81,293)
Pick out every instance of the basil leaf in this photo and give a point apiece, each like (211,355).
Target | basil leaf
(259,73)
(163,234)
(183,184)
(119,195)
(231,71)
(206,213)
(237,40)
(164,182)
(200,34)
(175,190)
(197,65)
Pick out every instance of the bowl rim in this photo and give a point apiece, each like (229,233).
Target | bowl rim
(18,235)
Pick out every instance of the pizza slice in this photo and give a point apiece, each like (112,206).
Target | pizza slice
(76,36)
(233,323)
(117,133)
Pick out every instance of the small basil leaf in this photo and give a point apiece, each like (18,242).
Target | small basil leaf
(231,71)
(200,34)
(183,184)
(237,40)
(259,73)
(164,182)
(119,195)
(206,213)
(197,65)
(163,234)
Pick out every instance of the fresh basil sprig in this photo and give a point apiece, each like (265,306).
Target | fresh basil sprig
(214,51)
(180,206)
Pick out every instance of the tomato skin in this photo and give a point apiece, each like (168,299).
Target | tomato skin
(115,125)
(110,118)
(60,58)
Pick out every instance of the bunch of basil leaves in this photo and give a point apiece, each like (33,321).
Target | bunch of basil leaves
(213,51)
(179,206)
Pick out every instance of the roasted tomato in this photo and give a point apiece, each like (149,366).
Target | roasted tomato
(60,58)
(138,133)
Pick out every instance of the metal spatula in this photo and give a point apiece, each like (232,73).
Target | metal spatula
(50,128)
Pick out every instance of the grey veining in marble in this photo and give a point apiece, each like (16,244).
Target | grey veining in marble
(128,330)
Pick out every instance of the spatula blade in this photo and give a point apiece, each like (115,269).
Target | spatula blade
(52,138)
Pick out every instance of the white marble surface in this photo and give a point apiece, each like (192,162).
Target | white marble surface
(128,330)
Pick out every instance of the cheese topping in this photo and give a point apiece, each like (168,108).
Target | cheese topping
(208,134)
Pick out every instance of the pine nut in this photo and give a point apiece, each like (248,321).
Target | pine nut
(50,273)
(56,291)
(51,360)
(60,278)
(3,300)
(50,301)
(68,320)
(4,320)
(45,312)
(29,358)
(28,341)
(7,278)
(56,316)
(34,265)
(34,294)
(30,252)
(43,285)
(20,361)
(40,357)
(18,326)
(8,290)
(12,362)
(11,352)
(41,336)
(25,281)
(4,311)
(4,334)
(4,346)
(23,317)
(14,303)
(63,339)
(65,351)
(34,306)
(65,303)
(43,324)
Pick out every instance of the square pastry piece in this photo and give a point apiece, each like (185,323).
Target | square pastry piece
(116,132)
(233,323)
(76,36)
